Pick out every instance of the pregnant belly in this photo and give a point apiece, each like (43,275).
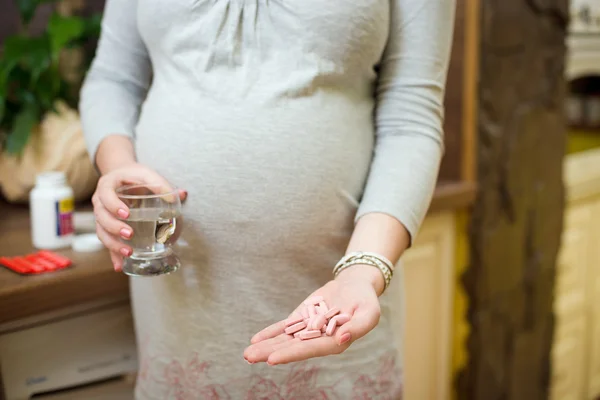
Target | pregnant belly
(296,168)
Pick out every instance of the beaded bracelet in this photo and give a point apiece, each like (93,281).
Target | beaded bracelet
(366,258)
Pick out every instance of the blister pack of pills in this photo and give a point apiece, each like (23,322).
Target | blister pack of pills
(36,263)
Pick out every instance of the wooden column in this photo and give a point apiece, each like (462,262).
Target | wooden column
(517,218)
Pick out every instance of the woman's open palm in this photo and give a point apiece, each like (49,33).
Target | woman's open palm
(353,297)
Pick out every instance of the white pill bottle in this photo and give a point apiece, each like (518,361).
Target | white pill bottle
(51,205)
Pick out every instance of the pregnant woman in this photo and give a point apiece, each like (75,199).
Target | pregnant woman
(299,131)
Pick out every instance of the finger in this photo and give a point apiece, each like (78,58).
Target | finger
(269,332)
(110,224)
(117,261)
(112,243)
(301,350)
(260,352)
(183,194)
(108,198)
(364,319)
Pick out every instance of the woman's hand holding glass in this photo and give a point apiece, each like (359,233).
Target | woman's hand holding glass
(110,211)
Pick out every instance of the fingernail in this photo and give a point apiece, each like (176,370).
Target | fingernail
(126,233)
(125,251)
(248,362)
(345,338)
(122,213)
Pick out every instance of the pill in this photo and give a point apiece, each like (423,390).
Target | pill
(297,334)
(310,334)
(341,319)
(332,312)
(331,325)
(317,322)
(311,301)
(311,310)
(324,328)
(295,328)
(294,319)
(304,312)
(323,309)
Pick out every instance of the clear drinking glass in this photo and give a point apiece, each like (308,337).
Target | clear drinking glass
(155,217)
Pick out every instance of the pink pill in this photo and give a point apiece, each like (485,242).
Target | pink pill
(311,301)
(324,328)
(330,330)
(305,335)
(317,322)
(293,320)
(311,311)
(297,334)
(332,312)
(290,330)
(341,319)
(304,312)
(323,309)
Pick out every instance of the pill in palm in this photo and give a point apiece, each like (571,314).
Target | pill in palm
(323,309)
(295,328)
(317,322)
(341,319)
(304,335)
(331,325)
(294,319)
(311,311)
(304,312)
(332,312)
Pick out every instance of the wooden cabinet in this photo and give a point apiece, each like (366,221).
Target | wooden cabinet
(576,349)
(429,283)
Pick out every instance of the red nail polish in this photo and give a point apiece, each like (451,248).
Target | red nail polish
(345,338)
(125,252)
(122,213)
(126,233)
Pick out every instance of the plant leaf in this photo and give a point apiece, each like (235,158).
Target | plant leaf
(62,31)
(22,127)
(33,53)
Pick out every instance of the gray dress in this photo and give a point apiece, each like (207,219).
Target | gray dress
(285,120)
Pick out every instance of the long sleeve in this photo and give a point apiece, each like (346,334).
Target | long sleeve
(409,112)
(119,77)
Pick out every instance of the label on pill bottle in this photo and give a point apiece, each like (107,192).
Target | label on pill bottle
(64,217)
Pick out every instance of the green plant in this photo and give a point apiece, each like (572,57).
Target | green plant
(30,78)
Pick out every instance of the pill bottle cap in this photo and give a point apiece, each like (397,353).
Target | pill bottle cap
(53,178)
(86,243)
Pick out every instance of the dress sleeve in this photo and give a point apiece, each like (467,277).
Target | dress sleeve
(118,79)
(409,111)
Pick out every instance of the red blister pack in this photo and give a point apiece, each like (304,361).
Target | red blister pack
(37,263)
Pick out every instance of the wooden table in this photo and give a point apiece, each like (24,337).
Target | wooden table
(91,278)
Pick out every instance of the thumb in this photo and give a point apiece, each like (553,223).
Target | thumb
(362,322)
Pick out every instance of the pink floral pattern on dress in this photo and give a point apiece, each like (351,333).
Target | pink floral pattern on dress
(190,380)
(379,386)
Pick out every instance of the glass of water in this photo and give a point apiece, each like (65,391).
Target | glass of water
(155,218)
